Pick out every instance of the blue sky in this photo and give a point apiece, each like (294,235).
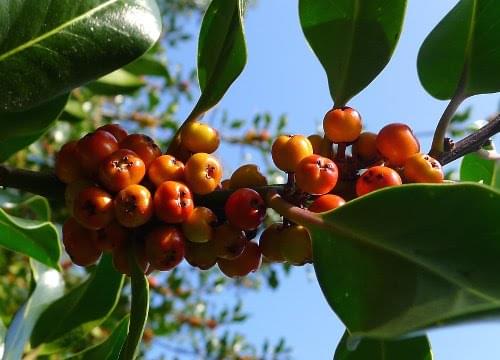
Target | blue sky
(283,76)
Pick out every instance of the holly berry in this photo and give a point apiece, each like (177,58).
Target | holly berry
(200,255)
(288,150)
(316,175)
(321,145)
(229,242)
(72,190)
(133,206)
(326,203)
(342,125)
(245,209)
(67,166)
(271,242)
(198,137)
(173,202)
(364,148)
(116,130)
(165,247)
(93,208)
(249,261)
(93,148)
(121,260)
(143,146)
(164,168)
(203,173)
(377,177)
(121,169)
(247,176)
(297,245)
(198,227)
(421,168)
(111,236)
(80,243)
(397,143)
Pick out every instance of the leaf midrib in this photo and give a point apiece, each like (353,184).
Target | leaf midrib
(56,30)
(346,232)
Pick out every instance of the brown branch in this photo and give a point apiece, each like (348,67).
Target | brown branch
(471,143)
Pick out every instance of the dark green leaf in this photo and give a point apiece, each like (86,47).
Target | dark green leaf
(148,65)
(73,112)
(353,39)
(116,83)
(82,309)
(20,129)
(108,349)
(417,348)
(49,287)
(411,257)
(35,208)
(138,312)
(37,239)
(222,53)
(48,47)
(460,56)
(477,169)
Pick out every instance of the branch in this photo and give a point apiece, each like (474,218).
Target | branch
(471,143)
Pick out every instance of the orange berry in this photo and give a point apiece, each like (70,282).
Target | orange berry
(80,243)
(365,148)
(164,168)
(321,145)
(397,143)
(342,125)
(173,202)
(121,259)
(94,148)
(421,168)
(133,206)
(116,130)
(203,173)
(229,242)
(121,169)
(198,137)
(165,247)
(200,255)
(143,146)
(316,175)
(93,208)
(198,227)
(271,242)
(111,236)
(377,177)
(326,203)
(247,176)
(288,150)
(249,261)
(67,166)
(297,245)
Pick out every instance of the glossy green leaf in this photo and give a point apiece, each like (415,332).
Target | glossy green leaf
(49,287)
(411,257)
(82,309)
(20,129)
(417,348)
(222,53)
(48,47)
(73,112)
(148,65)
(353,39)
(138,312)
(35,208)
(116,83)
(460,56)
(477,169)
(34,238)
(108,349)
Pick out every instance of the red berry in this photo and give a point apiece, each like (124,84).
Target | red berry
(316,175)
(245,209)
(165,247)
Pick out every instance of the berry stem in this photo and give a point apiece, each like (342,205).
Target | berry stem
(294,213)
(341,148)
(438,141)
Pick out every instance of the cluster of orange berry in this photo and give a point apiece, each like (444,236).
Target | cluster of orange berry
(121,191)
(316,164)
